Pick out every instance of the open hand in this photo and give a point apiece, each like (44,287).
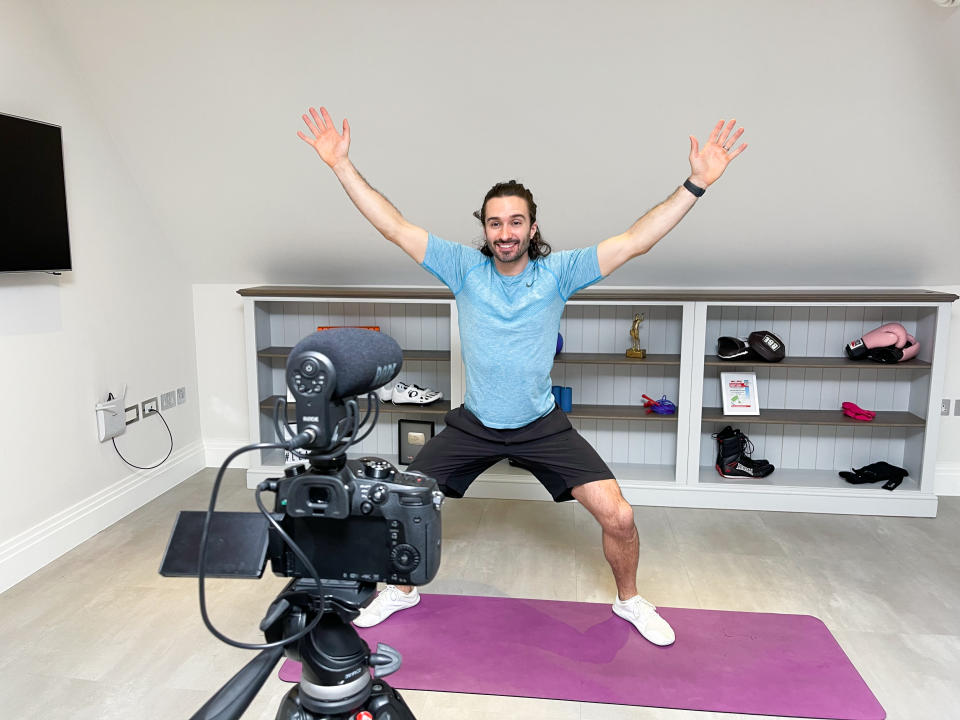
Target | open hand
(330,145)
(708,164)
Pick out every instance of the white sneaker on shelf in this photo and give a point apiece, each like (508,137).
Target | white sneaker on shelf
(404,394)
(385,393)
(390,600)
(643,615)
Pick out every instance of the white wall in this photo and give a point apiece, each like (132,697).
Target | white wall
(850,108)
(124,315)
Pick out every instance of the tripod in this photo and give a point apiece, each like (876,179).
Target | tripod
(335,681)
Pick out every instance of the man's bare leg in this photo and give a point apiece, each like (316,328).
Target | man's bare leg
(621,547)
(621,543)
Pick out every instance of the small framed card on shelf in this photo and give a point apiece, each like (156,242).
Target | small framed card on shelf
(738,393)
(412,435)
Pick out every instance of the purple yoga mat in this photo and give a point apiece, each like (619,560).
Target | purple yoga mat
(737,662)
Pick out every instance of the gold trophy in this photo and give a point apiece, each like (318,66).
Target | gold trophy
(636,351)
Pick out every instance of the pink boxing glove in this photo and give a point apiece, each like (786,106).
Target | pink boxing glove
(889,335)
(911,349)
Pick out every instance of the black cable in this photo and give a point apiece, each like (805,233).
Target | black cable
(371,398)
(202,564)
(114,441)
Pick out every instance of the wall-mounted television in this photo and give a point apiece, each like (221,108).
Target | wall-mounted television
(33,201)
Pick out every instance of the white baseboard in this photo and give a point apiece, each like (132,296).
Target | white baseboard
(24,554)
(947,478)
(215,451)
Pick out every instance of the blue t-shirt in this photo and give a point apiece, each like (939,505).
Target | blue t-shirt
(509,325)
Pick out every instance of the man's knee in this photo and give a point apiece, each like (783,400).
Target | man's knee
(620,520)
(607,504)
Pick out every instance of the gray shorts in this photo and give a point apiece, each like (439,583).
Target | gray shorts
(549,447)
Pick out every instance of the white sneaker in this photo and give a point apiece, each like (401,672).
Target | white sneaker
(404,394)
(644,617)
(384,393)
(390,599)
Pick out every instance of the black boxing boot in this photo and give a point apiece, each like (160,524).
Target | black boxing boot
(733,456)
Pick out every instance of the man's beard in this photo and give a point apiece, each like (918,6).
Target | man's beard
(514,255)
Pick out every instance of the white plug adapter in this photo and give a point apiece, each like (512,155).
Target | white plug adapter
(111,418)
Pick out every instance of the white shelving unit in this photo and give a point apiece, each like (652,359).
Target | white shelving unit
(664,460)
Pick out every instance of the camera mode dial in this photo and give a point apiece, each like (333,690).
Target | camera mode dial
(376,468)
(294,470)
(405,557)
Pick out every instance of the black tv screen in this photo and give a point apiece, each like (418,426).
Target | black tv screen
(33,200)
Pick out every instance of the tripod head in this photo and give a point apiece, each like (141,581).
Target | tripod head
(335,679)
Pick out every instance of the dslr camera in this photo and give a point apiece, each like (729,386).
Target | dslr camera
(367,523)
(338,526)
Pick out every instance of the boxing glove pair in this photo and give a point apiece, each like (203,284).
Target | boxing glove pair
(890,343)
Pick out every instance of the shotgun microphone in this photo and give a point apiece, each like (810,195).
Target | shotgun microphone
(330,366)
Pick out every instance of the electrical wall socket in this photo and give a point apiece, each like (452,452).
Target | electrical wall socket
(168,400)
(148,406)
(181,395)
(944,407)
(132,413)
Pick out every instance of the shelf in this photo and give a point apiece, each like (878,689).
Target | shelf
(615,359)
(817,320)
(441,407)
(827,363)
(584,412)
(279,352)
(617,412)
(716,295)
(805,479)
(815,417)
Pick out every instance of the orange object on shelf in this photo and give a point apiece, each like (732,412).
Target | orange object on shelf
(358,327)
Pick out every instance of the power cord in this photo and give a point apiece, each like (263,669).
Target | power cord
(151,467)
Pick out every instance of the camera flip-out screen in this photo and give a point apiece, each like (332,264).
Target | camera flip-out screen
(236,545)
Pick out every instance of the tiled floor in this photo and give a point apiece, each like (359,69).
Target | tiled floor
(98,634)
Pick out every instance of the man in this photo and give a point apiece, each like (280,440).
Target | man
(510,296)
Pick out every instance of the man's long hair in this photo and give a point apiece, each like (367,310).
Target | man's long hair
(511,188)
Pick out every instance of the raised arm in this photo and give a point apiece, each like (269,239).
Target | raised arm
(706,166)
(333,148)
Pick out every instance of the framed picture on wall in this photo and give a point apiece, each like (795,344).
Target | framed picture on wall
(738,393)
(412,435)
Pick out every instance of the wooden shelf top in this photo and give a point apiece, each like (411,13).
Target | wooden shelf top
(441,407)
(617,412)
(861,296)
(586,412)
(615,359)
(282,352)
(827,363)
(886,418)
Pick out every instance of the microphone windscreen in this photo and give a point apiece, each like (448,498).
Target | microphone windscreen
(363,359)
